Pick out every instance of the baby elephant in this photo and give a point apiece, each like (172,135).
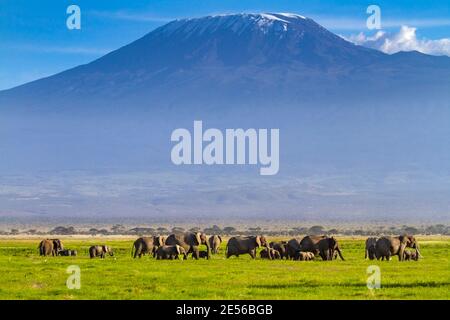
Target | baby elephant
(170,252)
(67,253)
(100,251)
(275,254)
(410,255)
(305,256)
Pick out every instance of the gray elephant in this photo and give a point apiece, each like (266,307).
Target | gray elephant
(325,246)
(190,242)
(57,246)
(203,254)
(67,253)
(100,251)
(50,247)
(170,252)
(270,253)
(281,247)
(147,245)
(370,248)
(410,255)
(245,245)
(46,247)
(293,248)
(386,247)
(214,243)
(305,256)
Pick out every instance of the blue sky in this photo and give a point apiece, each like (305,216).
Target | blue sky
(34,40)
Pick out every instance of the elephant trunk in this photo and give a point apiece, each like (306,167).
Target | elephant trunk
(340,253)
(401,252)
(269,252)
(208,250)
(419,255)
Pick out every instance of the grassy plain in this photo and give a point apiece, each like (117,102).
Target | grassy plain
(26,275)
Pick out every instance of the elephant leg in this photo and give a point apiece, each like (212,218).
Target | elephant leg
(195,253)
(322,255)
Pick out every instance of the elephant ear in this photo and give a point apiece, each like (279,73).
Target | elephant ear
(178,249)
(198,238)
(105,248)
(258,241)
(162,240)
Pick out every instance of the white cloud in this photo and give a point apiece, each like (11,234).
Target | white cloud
(405,40)
(351,23)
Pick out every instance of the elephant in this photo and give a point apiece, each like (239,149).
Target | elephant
(292,249)
(170,252)
(65,252)
(203,254)
(305,256)
(190,242)
(410,255)
(50,247)
(57,246)
(100,251)
(370,248)
(144,245)
(243,245)
(325,246)
(386,247)
(73,253)
(281,247)
(214,243)
(310,256)
(274,254)
(46,248)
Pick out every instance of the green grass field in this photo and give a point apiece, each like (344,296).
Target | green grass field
(26,275)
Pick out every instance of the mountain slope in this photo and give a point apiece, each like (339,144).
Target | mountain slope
(279,56)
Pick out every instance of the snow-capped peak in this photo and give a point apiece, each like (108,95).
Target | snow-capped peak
(236,22)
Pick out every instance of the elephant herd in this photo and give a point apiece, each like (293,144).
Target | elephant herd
(55,247)
(306,248)
(386,247)
(303,249)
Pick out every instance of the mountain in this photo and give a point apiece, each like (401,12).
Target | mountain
(283,56)
(363,133)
